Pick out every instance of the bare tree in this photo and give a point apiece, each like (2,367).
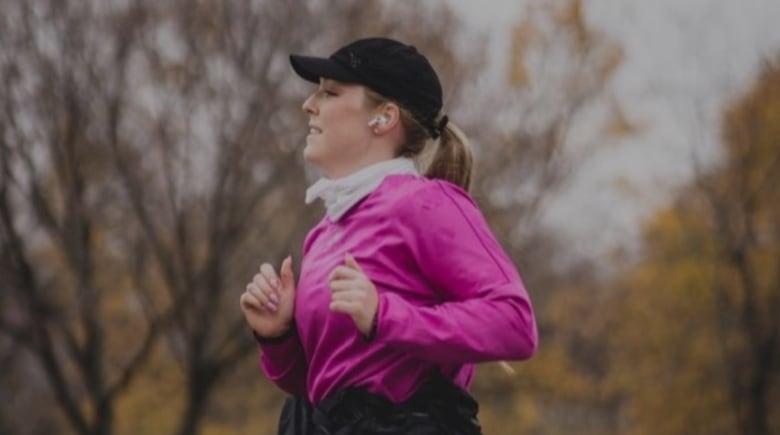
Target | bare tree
(559,70)
(52,210)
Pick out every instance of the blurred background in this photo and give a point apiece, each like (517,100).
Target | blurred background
(628,159)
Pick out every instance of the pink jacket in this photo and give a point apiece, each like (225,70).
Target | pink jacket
(449,296)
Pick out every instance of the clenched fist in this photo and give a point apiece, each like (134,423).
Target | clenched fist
(354,294)
(269,300)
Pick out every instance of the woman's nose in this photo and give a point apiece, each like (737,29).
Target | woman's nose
(309,106)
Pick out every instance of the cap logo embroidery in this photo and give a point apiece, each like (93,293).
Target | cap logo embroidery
(354,61)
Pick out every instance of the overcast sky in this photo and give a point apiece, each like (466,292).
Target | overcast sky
(684,59)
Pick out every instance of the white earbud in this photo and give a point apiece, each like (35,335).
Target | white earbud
(378,120)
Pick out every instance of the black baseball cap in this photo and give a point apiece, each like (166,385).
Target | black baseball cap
(391,68)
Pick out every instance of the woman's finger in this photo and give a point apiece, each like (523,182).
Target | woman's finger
(270,276)
(344,272)
(264,295)
(352,295)
(288,278)
(344,306)
(350,261)
(341,285)
(261,282)
(249,301)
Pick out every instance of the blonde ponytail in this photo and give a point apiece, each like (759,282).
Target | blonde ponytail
(452,160)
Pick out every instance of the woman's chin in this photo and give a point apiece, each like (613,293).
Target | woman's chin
(311,155)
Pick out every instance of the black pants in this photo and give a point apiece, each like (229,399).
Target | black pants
(438,408)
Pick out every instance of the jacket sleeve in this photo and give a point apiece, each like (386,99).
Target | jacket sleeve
(284,362)
(486,314)
(283,359)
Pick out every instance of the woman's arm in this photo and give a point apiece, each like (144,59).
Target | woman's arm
(268,305)
(284,362)
(487,314)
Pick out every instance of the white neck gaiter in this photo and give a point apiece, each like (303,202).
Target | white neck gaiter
(343,193)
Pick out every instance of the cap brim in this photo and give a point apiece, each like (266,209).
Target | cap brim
(313,68)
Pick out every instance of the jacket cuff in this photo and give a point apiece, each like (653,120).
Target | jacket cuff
(291,332)
(372,333)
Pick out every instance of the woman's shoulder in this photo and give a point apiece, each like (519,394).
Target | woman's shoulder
(410,195)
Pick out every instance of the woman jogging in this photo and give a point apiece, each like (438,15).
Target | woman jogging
(403,288)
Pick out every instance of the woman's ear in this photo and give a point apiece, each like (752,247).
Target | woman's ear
(387,119)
